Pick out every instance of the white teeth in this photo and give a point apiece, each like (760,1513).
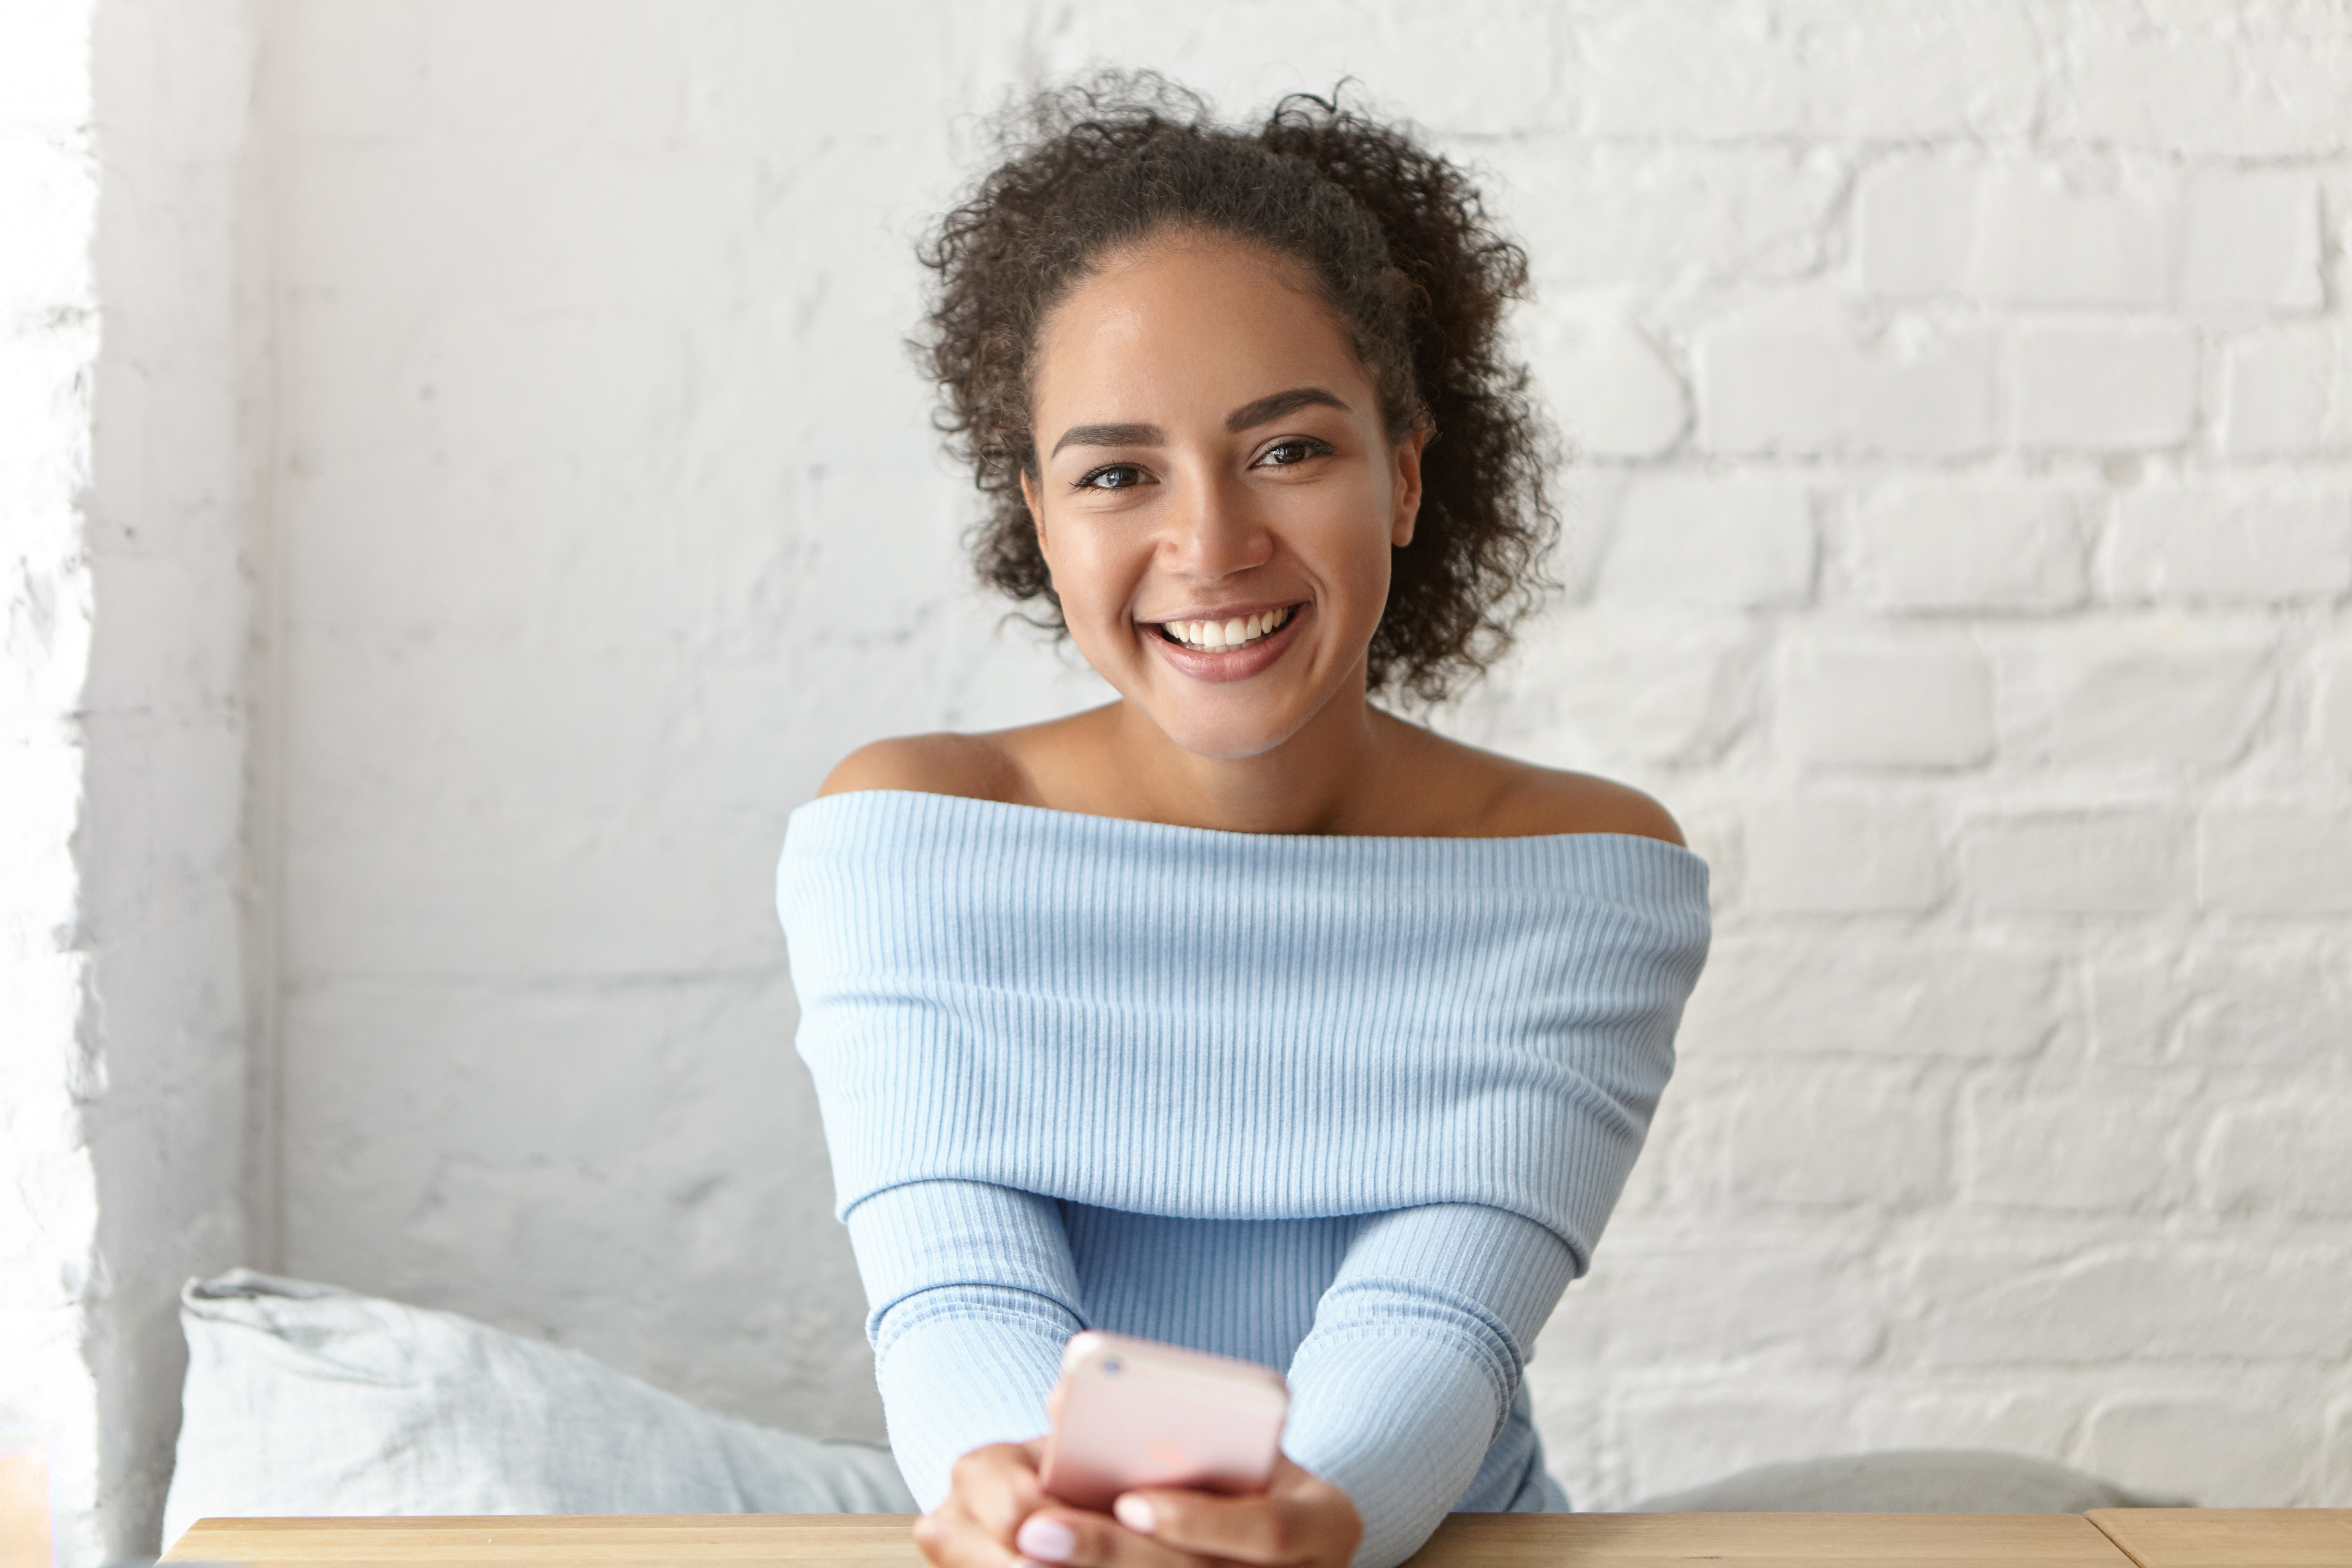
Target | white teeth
(1227,634)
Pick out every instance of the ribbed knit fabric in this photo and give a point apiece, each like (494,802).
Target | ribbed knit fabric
(1355,1108)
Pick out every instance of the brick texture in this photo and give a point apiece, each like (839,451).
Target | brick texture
(2216,1453)
(1680,540)
(2188,544)
(2287,1155)
(131,497)
(1885,702)
(2286,393)
(1806,381)
(1834,853)
(2102,387)
(2114,861)
(2331,716)
(1946,548)
(2290,857)
(2133,694)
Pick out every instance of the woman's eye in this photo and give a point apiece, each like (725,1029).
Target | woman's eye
(1291,451)
(1111,477)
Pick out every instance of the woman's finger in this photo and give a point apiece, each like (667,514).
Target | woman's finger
(949,1537)
(1078,1538)
(997,1486)
(1299,1519)
(1242,1530)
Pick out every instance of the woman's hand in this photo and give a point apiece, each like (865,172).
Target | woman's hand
(1300,1519)
(996,1515)
(989,1492)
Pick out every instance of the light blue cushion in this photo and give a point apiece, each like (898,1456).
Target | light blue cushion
(302,1399)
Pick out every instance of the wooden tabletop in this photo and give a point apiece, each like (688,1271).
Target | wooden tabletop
(1767,1539)
(2230,1537)
(1464,1541)
(617,1540)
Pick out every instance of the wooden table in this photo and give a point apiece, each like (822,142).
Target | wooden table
(2230,1537)
(1767,1539)
(1464,1541)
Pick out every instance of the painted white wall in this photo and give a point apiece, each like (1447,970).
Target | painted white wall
(48,350)
(127,491)
(1962,534)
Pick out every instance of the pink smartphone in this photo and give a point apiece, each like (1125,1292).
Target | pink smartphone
(1136,1413)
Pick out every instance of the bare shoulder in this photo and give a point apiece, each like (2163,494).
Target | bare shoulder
(1553,800)
(1484,795)
(975,766)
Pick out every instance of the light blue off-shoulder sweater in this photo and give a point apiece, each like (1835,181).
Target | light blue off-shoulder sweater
(1353,1107)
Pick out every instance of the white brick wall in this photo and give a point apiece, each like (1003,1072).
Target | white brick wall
(1691,540)
(2132,693)
(2191,544)
(1941,547)
(48,354)
(126,513)
(2019,232)
(1806,380)
(2284,393)
(1841,852)
(1867,699)
(2025,1037)
(1963,407)
(2275,858)
(2097,387)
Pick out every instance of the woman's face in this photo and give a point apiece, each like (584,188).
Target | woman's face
(1217,497)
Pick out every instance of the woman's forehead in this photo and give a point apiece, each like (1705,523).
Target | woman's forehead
(1197,319)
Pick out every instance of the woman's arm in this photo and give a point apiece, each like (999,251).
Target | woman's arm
(973,1294)
(1413,1360)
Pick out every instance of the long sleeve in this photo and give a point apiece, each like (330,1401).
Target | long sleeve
(1414,1359)
(971,1294)
(1014,1016)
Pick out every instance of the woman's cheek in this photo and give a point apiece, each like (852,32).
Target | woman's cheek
(1095,589)
(1353,537)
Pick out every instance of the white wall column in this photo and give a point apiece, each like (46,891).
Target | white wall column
(129,517)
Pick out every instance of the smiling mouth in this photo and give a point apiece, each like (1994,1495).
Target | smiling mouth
(1223,637)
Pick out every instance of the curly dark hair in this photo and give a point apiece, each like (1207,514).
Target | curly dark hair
(1402,253)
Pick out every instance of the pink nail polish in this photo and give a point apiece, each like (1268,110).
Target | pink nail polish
(1047,1540)
(1135,1513)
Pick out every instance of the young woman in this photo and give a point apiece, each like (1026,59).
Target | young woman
(1237,1013)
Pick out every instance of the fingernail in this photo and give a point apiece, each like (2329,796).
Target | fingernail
(1135,1513)
(1047,1540)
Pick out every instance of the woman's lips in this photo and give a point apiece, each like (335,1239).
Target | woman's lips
(1232,663)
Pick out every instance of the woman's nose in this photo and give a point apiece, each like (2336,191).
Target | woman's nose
(1212,533)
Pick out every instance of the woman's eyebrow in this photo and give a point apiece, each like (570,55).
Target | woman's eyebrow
(1249,415)
(1111,435)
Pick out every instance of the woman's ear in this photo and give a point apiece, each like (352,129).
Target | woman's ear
(1036,513)
(1405,458)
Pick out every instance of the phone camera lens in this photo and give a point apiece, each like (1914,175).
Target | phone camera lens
(1110,1369)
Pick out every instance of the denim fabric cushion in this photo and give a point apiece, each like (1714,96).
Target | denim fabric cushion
(1905,1480)
(302,1399)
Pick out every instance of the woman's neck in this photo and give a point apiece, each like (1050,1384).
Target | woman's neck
(1337,774)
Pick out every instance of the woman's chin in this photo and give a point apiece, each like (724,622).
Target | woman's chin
(1225,737)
